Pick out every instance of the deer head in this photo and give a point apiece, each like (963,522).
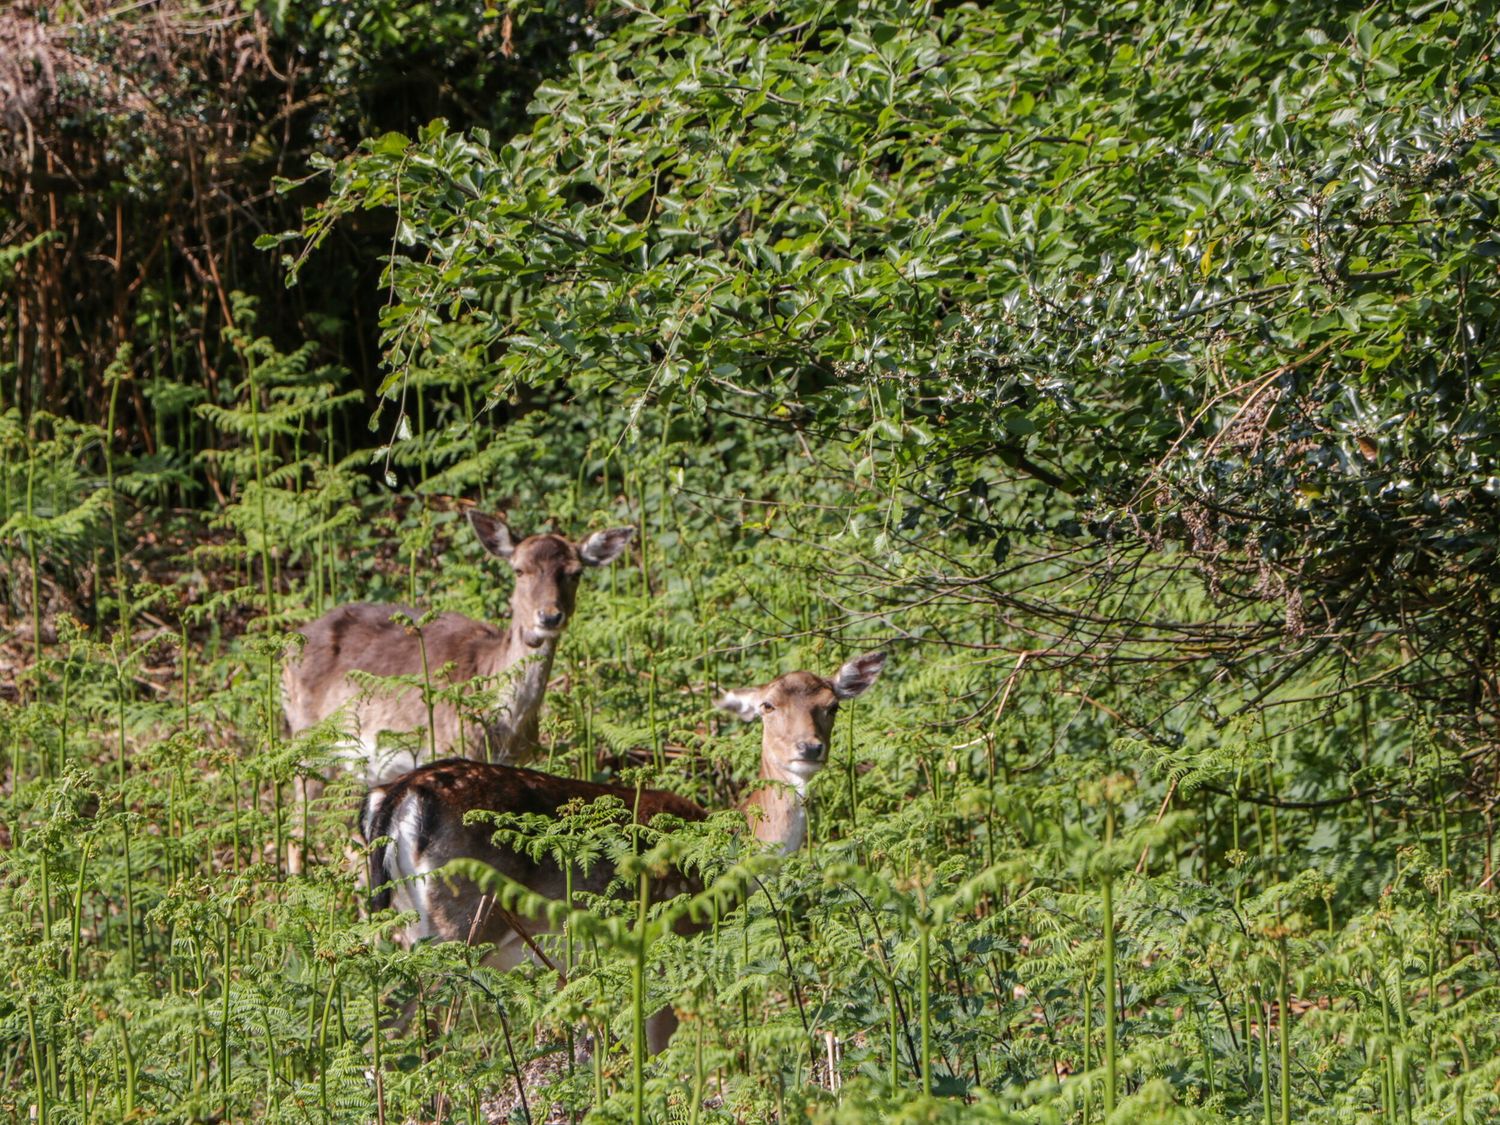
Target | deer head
(796,711)
(547,569)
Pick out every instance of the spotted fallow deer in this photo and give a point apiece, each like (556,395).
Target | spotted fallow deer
(506,669)
(421,817)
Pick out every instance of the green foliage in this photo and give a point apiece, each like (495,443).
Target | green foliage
(138,147)
(970,856)
(1042,351)
(1129,277)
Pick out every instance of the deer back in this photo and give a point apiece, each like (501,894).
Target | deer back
(363,638)
(422,813)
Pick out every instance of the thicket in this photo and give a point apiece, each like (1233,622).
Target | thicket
(138,149)
(1128,374)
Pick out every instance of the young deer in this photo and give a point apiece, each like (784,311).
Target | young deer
(422,815)
(507,668)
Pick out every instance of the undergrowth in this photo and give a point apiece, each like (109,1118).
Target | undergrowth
(1124,373)
(1010,908)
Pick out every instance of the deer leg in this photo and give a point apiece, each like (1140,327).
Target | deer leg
(659,1029)
(509,953)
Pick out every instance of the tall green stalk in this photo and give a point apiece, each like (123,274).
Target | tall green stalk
(75,937)
(924,999)
(43,1105)
(128,1062)
(124,809)
(322,1061)
(1265,1055)
(1106,889)
(116,374)
(267,578)
(375,1048)
(34,561)
(638,1004)
(1088,1039)
(1283,1027)
(893,1031)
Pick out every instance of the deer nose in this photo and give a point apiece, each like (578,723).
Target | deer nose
(811,749)
(550,619)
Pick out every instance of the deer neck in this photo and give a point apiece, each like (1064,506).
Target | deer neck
(521,672)
(778,812)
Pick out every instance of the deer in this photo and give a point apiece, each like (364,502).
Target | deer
(417,824)
(507,668)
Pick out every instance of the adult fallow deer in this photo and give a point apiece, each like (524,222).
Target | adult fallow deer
(421,816)
(506,669)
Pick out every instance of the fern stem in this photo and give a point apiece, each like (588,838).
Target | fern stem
(1283,1028)
(1088,1036)
(46,893)
(116,375)
(1265,1055)
(260,487)
(924,999)
(128,1062)
(36,589)
(43,1107)
(638,1005)
(224,1059)
(62,720)
(75,938)
(1110,1045)
(375,1046)
(125,815)
(333,981)
(895,1074)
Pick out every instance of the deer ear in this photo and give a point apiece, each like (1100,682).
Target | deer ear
(604,547)
(855,677)
(744,704)
(493,534)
